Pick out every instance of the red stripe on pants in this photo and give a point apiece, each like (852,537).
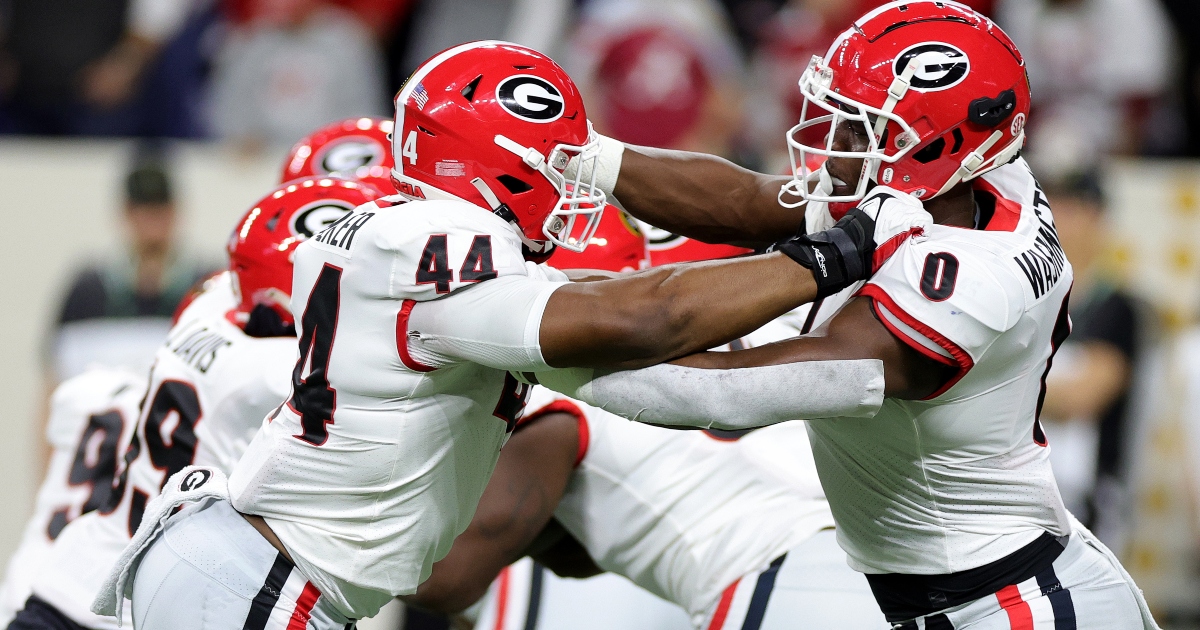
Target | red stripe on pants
(1019,615)
(502,597)
(304,605)
(718,618)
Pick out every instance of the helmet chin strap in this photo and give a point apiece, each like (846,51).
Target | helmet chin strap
(972,165)
(504,212)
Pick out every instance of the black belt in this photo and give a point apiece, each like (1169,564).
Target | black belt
(904,596)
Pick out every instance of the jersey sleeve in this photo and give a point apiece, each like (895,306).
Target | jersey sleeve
(496,323)
(947,300)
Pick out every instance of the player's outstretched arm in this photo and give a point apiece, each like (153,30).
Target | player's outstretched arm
(662,313)
(704,197)
(519,501)
(659,314)
(846,372)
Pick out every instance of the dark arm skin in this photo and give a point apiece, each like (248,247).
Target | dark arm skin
(854,333)
(519,501)
(652,316)
(564,555)
(704,197)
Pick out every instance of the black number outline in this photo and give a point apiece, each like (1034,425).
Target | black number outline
(513,398)
(434,267)
(100,476)
(478,264)
(1062,329)
(312,398)
(939,287)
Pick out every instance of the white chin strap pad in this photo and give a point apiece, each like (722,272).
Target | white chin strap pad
(742,398)
(608,166)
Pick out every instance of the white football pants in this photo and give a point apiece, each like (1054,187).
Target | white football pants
(1085,589)
(211,570)
(810,587)
(529,596)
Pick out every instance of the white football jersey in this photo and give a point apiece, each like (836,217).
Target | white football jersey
(210,388)
(379,458)
(91,418)
(961,478)
(683,514)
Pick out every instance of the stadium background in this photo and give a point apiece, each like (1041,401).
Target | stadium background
(1115,86)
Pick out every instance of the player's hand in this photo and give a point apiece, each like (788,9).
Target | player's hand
(857,245)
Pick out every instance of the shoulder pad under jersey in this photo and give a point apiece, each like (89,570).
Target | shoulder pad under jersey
(947,296)
(437,247)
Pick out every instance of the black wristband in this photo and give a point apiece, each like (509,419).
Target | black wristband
(837,257)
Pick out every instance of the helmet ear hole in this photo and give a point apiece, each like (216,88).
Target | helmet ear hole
(514,185)
(931,152)
(958,140)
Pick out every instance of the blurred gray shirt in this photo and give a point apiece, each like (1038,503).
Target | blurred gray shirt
(278,85)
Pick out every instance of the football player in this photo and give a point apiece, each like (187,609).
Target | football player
(357,149)
(696,518)
(945,499)
(91,418)
(411,313)
(223,367)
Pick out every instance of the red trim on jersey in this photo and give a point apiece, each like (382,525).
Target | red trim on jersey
(885,250)
(1008,212)
(961,358)
(402,339)
(722,611)
(1020,617)
(563,406)
(502,596)
(304,605)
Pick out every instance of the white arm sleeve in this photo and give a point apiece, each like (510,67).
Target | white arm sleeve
(496,323)
(740,398)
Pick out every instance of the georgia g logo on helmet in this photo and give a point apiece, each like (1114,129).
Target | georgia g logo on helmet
(530,98)
(939,66)
(318,216)
(349,155)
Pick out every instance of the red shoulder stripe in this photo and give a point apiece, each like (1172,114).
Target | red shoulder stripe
(961,358)
(1008,212)
(402,339)
(563,406)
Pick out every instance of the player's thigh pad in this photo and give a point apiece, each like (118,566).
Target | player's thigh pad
(813,588)
(212,571)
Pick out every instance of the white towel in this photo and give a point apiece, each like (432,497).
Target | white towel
(196,485)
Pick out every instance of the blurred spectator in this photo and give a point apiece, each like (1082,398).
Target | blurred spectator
(1096,67)
(103,67)
(663,74)
(440,24)
(117,312)
(1086,409)
(293,67)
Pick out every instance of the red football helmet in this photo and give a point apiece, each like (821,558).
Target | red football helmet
(617,245)
(938,92)
(494,124)
(355,148)
(261,246)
